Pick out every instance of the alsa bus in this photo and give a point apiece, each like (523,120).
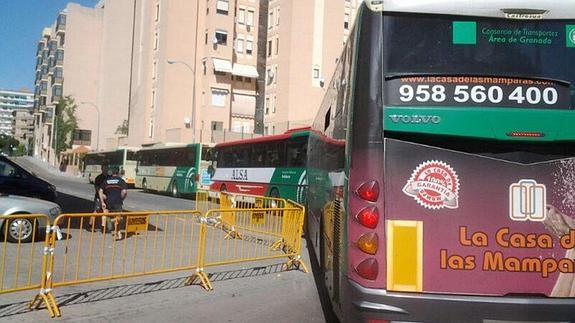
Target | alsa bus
(176,169)
(122,158)
(452,199)
(272,166)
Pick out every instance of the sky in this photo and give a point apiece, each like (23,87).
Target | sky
(21,24)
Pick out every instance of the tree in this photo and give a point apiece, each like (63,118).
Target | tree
(7,144)
(65,124)
(122,129)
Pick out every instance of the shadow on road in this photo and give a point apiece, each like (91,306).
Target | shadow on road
(143,288)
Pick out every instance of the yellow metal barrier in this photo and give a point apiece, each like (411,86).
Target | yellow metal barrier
(88,247)
(207,200)
(22,264)
(261,234)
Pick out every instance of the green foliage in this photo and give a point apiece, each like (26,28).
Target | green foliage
(65,124)
(123,128)
(7,144)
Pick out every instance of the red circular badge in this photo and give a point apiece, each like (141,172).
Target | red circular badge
(434,185)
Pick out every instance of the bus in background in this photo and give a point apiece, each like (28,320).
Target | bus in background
(273,166)
(123,158)
(176,169)
(455,201)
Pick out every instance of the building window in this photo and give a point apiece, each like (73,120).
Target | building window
(277,45)
(156,40)
(346,21)
(151,129)
(278,17)
(267,106)
(274,102)
(221,37)
(240,45)
(217,126)
(239,78)
(154,70)
(271,20)
(249,45)
(153,103)
(219,97)
(241,16)
(316,72)
(206,40)
(250,18)
(270,48)
(266,130)
(276,74)
(83,135)
(222,7)
(157,11)
(270,75)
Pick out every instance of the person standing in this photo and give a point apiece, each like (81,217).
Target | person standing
(97,203)
(112,192)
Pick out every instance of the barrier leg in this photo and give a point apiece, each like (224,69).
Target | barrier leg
(45,295)
(277,245)
(297,263)
(205,281)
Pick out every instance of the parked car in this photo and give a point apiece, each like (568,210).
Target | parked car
(20,228)
(18,181)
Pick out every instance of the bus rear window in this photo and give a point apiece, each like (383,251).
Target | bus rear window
(424,45)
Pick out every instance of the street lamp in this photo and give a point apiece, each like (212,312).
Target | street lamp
(193,96)
(98,111)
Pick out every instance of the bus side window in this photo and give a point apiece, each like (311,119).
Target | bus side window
(258,155)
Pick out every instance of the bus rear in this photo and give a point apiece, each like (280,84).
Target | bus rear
(460,178)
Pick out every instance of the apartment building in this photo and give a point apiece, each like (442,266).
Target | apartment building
(304,40)
(194,71)
(23,125)
(14,108)
(86,55)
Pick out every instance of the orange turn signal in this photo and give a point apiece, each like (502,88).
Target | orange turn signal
(368,243)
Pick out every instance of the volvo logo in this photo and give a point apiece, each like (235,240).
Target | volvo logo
(404,118)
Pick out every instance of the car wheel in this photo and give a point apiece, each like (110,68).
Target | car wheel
(19,230)
(175,192)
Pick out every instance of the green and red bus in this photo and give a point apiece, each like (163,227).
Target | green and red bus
(124,159)
(442,164)
(273,166)
(178,169)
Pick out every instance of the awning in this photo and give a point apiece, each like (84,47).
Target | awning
(245,71)
(222,65)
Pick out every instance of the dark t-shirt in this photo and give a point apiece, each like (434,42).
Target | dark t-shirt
(112,187)
(98,183)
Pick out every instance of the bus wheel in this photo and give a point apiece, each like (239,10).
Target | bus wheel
(175,192)
(145,185)
(223,188)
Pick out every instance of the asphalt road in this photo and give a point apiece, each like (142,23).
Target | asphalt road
(245,292)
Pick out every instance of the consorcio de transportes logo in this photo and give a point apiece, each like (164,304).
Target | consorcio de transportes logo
(434,185)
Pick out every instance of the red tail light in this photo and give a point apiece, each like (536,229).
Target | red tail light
(368,217)
(368,269)
(369,191)
(368,243)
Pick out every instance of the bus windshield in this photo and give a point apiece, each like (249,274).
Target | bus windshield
(442,45)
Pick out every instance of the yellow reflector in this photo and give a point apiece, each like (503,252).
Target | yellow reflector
(405,256)
(368,243)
